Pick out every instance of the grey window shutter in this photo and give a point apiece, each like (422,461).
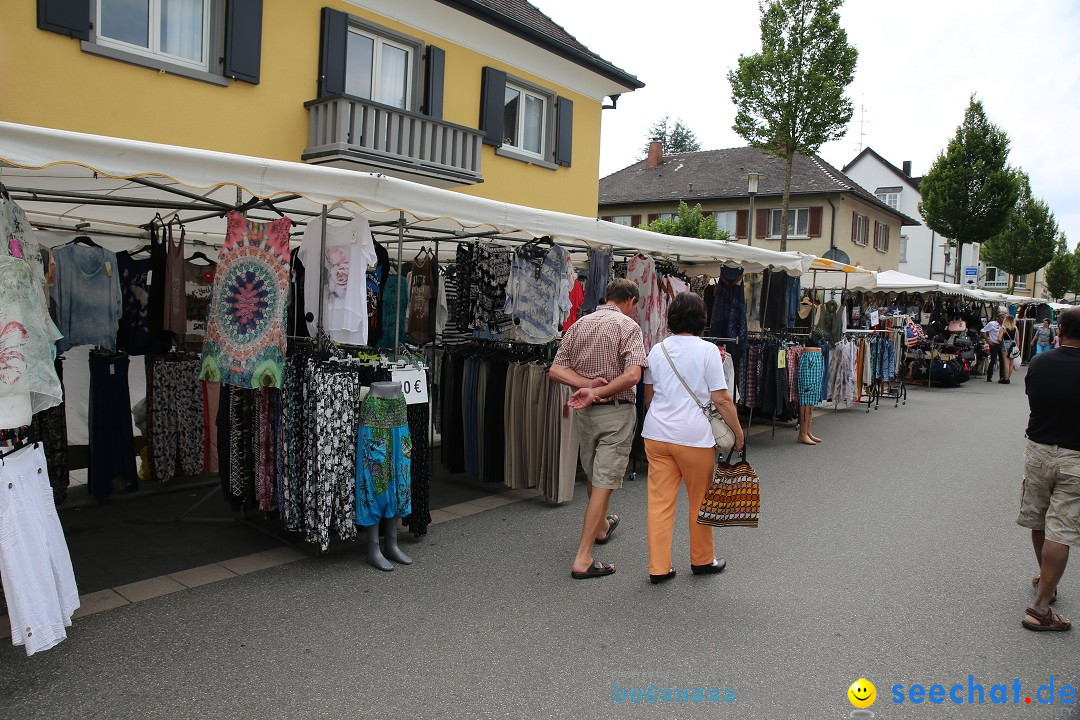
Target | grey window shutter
(332,48)
(564,131)
(434,70)
(492,101)
(67,17)
(243,40)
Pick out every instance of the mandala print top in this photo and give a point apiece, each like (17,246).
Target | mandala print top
(245,332)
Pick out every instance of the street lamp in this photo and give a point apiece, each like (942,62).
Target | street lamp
(751,188)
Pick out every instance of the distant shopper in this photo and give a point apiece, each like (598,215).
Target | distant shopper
(679,440)
(602,355)
(992,333)
(1050,500)
(1044,337)
(1008,342)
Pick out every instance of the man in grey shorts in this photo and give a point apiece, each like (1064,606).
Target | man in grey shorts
(1050,504)
(601,355)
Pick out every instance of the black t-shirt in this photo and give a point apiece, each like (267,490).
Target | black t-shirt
(1053,389)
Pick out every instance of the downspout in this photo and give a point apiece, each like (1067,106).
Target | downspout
(832,224)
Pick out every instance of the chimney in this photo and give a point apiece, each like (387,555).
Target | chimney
(907,168)
(656,154)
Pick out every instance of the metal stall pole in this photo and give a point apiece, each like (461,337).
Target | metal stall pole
(397,310)
(322,268)
(764,313)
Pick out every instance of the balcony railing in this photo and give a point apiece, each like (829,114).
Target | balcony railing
(349,131)
(995,284)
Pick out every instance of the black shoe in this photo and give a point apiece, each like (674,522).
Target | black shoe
(989,379)
(656,579)
(716,566)
(1003,381)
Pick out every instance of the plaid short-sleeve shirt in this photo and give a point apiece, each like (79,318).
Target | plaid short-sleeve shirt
(603,344)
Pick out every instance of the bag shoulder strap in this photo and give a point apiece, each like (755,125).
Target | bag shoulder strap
(692,394)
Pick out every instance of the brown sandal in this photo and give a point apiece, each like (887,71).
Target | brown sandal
(1035,585)
(1049,622)
(613,522)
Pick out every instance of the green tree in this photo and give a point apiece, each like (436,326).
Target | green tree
(1061,272)
(970,190)
(688,223)
(790,96)
(673,139)
(1029,238)
(1075,287)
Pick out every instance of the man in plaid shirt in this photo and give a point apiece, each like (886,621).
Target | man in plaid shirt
(602,355)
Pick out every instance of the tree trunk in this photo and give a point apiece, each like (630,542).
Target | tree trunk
(958,269)
(787,201)
(1012,284)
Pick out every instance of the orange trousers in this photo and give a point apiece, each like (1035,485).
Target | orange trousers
(669,466)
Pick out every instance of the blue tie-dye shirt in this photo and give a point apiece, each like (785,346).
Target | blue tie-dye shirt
(538,293)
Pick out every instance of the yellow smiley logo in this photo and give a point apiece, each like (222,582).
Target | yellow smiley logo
(862,693)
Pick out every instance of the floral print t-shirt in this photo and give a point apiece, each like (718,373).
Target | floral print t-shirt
(245,330)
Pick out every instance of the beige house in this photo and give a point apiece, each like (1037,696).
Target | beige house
(828,211)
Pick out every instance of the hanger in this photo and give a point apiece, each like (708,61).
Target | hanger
(85,240)
(198,255)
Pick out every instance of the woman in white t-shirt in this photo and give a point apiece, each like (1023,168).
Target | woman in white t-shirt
(678,437)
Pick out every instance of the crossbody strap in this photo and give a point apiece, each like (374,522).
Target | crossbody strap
(692,393)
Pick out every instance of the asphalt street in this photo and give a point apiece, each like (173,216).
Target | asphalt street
(889,552)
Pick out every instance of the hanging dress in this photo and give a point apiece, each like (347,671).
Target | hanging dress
(383,469)
(245,333)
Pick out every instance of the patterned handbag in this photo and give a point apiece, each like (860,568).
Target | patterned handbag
(734,498)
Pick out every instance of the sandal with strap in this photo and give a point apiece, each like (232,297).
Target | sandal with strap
(597,569)
(1048,622)
(1035,585)
(613,522)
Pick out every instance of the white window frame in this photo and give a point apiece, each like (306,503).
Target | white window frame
(726,220)
(378,40)
(891,199)
(862,231)
(622,219)
(545,115)
(881,237)
(903,248)
(154,39)
(674,217)
(1000,277)
(1021,281)
(793,222)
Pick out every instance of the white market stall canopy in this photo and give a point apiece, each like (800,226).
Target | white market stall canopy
(66,179)
(894,281)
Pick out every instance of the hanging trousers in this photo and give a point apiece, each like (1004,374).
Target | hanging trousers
(112,447)
(332,481)
(668,464)
(420,516)
(176,417)
(39,584)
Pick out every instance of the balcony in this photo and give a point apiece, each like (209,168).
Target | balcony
(356,134)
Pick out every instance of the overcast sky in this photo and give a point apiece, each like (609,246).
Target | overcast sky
(919,61)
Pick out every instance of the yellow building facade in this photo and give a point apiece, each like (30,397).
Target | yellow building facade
(109,84)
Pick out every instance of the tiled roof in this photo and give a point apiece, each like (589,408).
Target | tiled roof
(524,19)
(714,174)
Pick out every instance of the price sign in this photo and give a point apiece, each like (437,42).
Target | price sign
(874,319)
(413,384)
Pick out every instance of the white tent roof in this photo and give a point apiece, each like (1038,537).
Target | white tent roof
(894,281)
(103,181)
